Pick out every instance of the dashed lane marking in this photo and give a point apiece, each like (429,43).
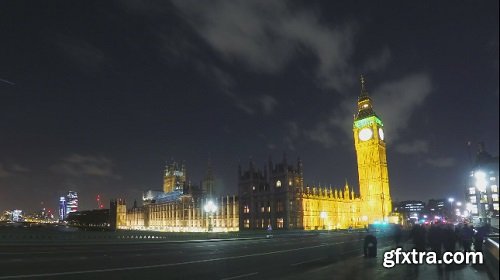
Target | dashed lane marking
(241,276)
(163,265)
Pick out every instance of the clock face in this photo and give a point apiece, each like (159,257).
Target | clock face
(365,134)
(381,133)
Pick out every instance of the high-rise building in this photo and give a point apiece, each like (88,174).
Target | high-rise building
(68,204)
(17,215)
(482,187)
(438,207)
(371,156)
(71,202)
(62,208)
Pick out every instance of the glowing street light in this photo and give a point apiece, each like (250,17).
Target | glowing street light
(481,181)
(323,216)
(450,200)
(210,208)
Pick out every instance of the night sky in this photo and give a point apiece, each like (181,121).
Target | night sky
(96,96)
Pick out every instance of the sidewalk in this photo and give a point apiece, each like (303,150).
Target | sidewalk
(362,268)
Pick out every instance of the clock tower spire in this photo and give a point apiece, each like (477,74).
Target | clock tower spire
(365,106)
(371,158)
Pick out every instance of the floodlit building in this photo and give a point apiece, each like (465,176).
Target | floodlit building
(482,187)
(181,209)
(17,215)
(276,196)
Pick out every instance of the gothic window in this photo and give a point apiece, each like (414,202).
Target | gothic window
(246,223)
(279,206)
(246,209)
(278,184)
(279,222)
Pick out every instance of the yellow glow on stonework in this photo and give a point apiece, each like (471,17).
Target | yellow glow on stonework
(367,122)
(317,207)
(376,204)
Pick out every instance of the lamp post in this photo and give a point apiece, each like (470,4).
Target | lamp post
(450,200)
(458,210)
(323,216)
(210,208)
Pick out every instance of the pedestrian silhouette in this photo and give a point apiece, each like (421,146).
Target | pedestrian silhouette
(418,236)
(370,246)
(466,235)
(449,238)
(435,238)
(479,238)
(397,235)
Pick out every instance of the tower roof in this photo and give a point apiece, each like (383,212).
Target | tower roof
(365,108)
(364,93)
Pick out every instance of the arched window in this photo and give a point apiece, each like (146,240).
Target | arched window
(278,184)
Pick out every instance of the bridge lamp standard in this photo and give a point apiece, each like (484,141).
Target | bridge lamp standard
(450,200)
(210,208)
(323,215)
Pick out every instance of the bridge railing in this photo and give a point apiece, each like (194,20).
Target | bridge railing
(491,255)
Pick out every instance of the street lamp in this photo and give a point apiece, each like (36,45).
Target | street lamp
(323,216)
(450,200)
(210,208)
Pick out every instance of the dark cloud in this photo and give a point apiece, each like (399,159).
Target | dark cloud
(268,103)
(80,165)
(3,172)
(378,62)
(394,101)
(238,78)
(415,147)
(266,36)
(441,162)
(9,170)
(85,55)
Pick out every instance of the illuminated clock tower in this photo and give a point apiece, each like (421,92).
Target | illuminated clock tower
(372,161)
